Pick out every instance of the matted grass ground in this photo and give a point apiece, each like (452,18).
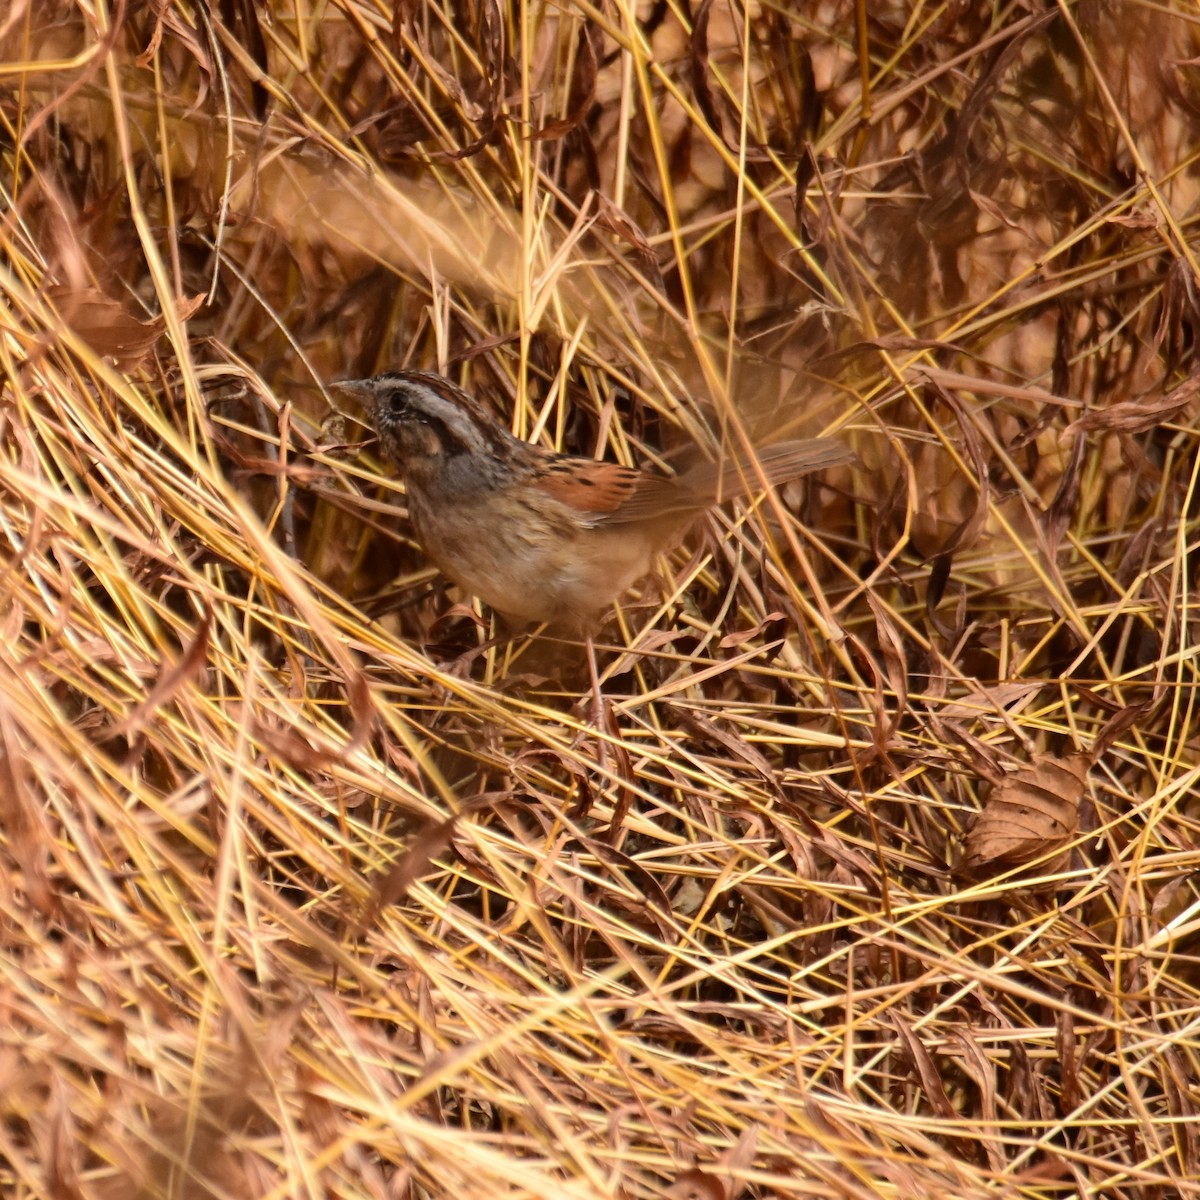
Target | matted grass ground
(878,874)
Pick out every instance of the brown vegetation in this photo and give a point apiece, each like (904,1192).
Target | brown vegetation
(877,875)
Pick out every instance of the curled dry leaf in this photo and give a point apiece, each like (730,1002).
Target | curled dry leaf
(1029,814)
(108,327)
(394,884)
(1136,416)
(707,97)
(616,220)
(582,95)
(723,1183)
(1122,720)
(171,678)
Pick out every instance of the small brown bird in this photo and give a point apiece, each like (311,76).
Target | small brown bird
(542,536)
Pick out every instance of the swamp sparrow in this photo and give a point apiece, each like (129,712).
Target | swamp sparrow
(541,536)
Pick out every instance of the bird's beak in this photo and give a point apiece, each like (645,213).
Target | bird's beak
(359,393)
(358,386)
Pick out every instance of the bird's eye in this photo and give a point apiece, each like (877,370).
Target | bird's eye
(405,406)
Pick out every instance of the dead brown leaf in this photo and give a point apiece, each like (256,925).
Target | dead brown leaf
(616,220)
(697,1185)
(706,95)
(1066,499)
(1029,814)
(924,1068)
(313,755)
(583,92)
(172,676)
(394,884)
(416,861)
(108,327)
(1137,416)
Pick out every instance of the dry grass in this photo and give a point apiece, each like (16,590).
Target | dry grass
(306,896)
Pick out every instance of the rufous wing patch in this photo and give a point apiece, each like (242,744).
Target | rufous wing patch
(587,486)
(612,494)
